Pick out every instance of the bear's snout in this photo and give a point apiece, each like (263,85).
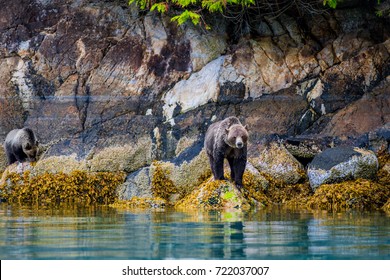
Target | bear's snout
(239,143)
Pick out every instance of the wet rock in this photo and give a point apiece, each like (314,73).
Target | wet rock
(137,184)
(341,164)
(252,177)
(276,162)
(379,140)
(260,114)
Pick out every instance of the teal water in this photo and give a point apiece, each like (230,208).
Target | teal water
(102,232)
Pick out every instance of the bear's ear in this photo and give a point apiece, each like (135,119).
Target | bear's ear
(227,130)
(246,127)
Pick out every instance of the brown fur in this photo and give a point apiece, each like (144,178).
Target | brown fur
(21,145)
(227,139)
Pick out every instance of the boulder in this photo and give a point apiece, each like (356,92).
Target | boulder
(276,162)
(341,164)
(137,184)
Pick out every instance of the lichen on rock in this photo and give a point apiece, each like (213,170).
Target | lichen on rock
(59,164)
(128,157)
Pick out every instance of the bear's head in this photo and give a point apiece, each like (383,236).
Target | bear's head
(31,150)
(237,136)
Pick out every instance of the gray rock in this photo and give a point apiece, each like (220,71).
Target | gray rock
(276,162)
(137,184)
(340,164)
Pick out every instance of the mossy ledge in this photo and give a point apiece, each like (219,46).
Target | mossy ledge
(74,187)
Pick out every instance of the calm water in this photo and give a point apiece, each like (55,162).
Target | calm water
(105,233)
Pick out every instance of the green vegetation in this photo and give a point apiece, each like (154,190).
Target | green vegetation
(236,11)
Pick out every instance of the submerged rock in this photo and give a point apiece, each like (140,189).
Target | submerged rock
(341,164)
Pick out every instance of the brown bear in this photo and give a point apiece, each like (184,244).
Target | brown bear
(21,145)
(227,139)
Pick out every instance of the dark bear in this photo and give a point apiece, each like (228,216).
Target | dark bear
(227,139)
(21,145)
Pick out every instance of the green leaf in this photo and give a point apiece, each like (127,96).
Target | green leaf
(161,7)
(330,3)
(187,15)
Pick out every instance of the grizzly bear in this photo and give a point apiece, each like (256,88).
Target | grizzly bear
(21,145)
(227,139)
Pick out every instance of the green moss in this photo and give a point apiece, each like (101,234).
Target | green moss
(360,194)
(77,186)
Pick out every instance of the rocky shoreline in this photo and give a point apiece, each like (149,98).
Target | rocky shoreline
(112,91)
(337,179)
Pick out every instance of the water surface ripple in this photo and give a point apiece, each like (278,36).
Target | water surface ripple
(101,232)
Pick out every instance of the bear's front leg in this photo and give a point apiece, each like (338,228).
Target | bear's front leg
(239,168)
(231,164)
(218,166)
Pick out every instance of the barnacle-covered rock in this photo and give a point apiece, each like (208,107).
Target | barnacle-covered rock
(59,164)
(276,162)
(341,164)
(128,158)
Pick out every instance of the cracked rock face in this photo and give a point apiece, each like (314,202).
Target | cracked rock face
(92,77)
